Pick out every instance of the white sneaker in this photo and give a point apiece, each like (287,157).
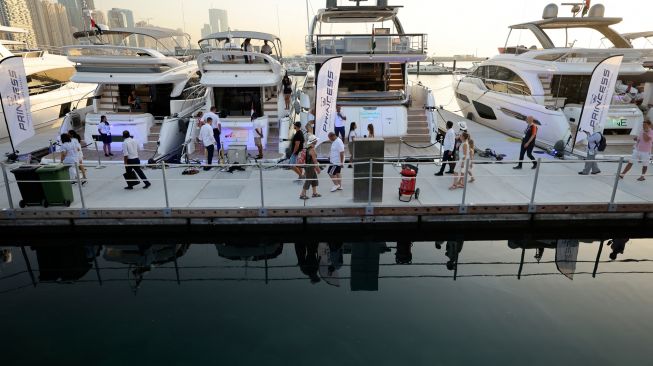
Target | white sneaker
(340,188)
(335,188)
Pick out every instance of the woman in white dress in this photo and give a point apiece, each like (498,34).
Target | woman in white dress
(463,157)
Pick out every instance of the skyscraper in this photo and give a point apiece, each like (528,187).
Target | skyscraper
(15,13)
(122,18)
(99,17)
(51,24)
(218,20)
(206,30)
(74,11)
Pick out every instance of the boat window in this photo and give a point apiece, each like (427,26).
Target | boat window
(484,111)
(48,80)
(369,77)
(504,80)
(572,87)
(237,102)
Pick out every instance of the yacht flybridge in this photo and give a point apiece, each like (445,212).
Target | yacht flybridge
(375,52)
(549,80)
(52,94)
(242,71)
(148,85)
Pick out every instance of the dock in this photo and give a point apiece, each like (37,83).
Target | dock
(500,199)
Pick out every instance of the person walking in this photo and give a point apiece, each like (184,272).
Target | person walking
(463,157)
(312,169)
(208,140)
(132,161)
(642,151)
(75,139)
(69,156)
(215,125)
(591,166)
(528,143)
(105,135)
(337,160)
(339,123)
(448,147)
(472,154)
(287,90)
(297,145)
(351,137)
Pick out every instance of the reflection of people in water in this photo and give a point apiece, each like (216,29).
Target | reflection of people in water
(452,252)
(335,257)
(618,246)
(307,260)
(5,255)
(403,255)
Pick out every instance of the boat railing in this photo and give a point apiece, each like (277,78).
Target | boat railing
(101,54)
(269,181)
(588,55)
(343,44)
(236,60)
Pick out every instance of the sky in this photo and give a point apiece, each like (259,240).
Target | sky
(453,27)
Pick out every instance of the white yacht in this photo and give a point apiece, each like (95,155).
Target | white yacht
(240,83)
(375,52)
(429,69)
(550,81)
(149,62)
(52,94)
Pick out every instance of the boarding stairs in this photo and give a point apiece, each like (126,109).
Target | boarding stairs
(418,128)
(270,109)
(396,81)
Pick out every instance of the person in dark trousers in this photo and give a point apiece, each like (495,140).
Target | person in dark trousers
(132,162)
(208,140)
(528,143)
(448,147)
(307,260)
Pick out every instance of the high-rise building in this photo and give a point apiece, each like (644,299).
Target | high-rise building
(99,17)
(218,20)
(122,18)
(15,13)
(51,25)
(74,11)
(206,30)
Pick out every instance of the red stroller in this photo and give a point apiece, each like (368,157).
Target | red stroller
(408,182)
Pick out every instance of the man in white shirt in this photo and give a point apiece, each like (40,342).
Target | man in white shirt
(593,142)
(258,135)
(208,140)
(339,123)
(266,49)
(215,125)
(132,162)
(337,160)
(448,146)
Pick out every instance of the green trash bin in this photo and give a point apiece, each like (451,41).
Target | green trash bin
(59,192)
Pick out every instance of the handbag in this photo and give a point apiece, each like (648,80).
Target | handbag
(301,159)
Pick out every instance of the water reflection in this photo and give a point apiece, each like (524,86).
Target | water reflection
(333,264)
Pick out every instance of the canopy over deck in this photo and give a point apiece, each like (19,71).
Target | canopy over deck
(221,36)
(152,32)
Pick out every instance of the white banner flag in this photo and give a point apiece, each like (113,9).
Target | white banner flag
(15,99)
(326,97)
(566,257)
(599,97)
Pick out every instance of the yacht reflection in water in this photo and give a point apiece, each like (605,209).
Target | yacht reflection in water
(363,265)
